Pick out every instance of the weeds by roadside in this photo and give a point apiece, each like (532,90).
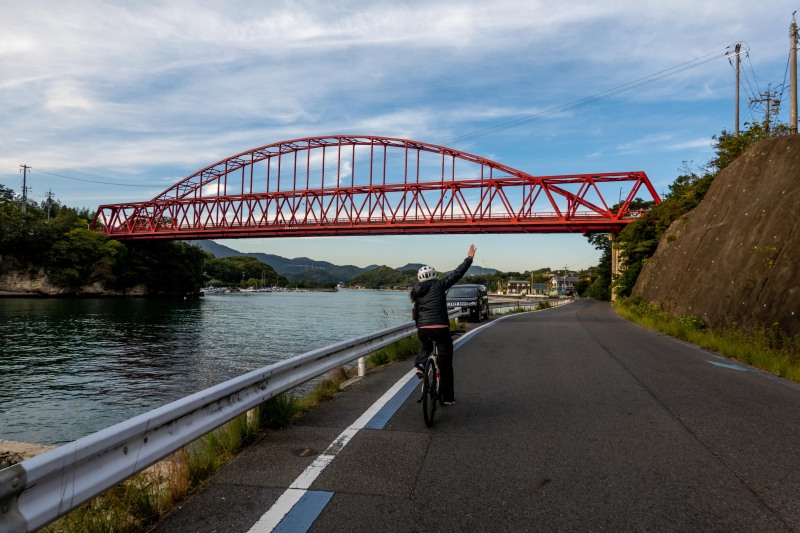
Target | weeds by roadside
(394,352)
(765,348)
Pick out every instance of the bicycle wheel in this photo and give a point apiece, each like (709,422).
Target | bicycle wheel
(430,394)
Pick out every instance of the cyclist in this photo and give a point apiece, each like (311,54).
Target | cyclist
(433,325)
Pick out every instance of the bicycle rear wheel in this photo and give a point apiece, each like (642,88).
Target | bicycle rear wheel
(430,394)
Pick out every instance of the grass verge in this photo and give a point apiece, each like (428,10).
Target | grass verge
(140,502)
(394,352)
(765,348)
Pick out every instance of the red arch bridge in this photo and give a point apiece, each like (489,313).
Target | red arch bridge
(353,185)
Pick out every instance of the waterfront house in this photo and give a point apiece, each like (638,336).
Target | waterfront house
(526,287)
(562,285)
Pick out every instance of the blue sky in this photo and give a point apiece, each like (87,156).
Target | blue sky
(139,95)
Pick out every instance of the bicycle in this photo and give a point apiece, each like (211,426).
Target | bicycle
(431,393)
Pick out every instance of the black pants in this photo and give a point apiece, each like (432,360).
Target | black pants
(444,344)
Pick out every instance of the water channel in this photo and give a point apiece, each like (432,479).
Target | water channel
(74,366)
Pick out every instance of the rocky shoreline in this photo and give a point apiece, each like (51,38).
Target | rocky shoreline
(15,284)
(13,452)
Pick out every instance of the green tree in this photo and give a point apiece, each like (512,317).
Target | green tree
(81,257)
(163,267)
(639,240)
(599,286)
(7,195)
(238,270)
(728,146)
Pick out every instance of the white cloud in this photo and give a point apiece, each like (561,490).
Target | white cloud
(702,142)
(66,95)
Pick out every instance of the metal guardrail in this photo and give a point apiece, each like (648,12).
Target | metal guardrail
(39,490)
(519,304)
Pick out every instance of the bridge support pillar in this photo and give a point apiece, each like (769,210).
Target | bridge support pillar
(616,266)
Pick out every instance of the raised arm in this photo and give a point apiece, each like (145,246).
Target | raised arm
(452,277)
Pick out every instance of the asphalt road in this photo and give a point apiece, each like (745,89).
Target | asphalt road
(569,419)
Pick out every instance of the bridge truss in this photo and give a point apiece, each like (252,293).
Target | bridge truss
(353,185)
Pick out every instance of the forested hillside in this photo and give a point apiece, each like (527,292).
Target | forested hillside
(243,271)
(296,270)
(48,249)
(384,277)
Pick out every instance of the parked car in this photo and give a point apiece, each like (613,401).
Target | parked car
(471,299)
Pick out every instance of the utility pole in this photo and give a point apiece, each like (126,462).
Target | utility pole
(770,99)
(738,62)
(737,52)
(24,186)
(793,79)
(49,202)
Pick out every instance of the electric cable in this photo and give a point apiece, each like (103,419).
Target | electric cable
(92,181)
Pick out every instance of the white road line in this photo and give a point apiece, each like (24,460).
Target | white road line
(299,486)
(297,489)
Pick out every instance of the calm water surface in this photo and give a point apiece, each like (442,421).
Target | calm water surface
(73,367)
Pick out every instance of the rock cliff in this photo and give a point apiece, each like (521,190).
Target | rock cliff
(733,260)
(13,283)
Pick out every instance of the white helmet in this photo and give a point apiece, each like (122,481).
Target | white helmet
(426,272)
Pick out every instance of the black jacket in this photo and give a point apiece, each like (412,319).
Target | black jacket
(430,298)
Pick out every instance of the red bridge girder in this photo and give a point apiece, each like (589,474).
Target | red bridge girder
(352,185)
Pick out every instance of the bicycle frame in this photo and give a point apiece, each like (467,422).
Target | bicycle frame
(431,394)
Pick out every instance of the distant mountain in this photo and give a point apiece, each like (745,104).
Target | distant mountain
(299,268)
(411,266)
(384,277)
(304,268)
(219,251)
(474,270)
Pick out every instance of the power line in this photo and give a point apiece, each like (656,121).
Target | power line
(694,63)
(751,70)
(91,181)
(671,71)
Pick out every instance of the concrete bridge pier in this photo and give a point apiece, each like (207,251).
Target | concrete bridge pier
(616,263)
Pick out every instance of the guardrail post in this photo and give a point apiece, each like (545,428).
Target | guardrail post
(12,481)
(362,366)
